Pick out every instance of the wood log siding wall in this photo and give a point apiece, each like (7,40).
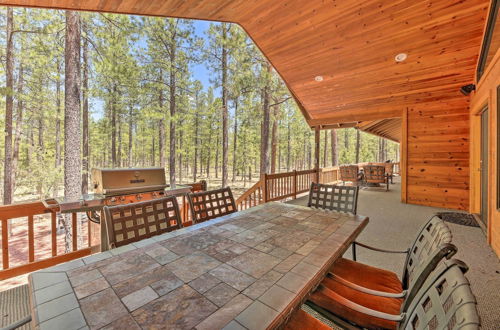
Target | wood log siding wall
(438,152)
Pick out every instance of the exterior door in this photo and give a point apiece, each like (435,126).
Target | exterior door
(484,167)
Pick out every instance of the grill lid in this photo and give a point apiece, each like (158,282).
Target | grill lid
(129,180)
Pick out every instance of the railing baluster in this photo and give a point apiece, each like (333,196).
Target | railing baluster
(5,243)
(31,239)
(89,232)
(53,234)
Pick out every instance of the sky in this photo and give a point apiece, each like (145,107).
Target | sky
(199,70)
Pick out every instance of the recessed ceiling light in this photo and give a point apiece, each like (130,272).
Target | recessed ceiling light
(318,78)
(401,57)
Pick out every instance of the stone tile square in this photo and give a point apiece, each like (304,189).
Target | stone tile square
(226,314)
(56,307)
(257,316)
(317,259)
(250,238)
(71,320)
(51,292)
(233,228)
(288,263)
(122,249)
(182,308)
(238,248)
(265,247)
(277,298)
(161,254)
(127,322)
(262,284)
(254,263)
(84,277)
(139,298)
(221,294)
(204,283)
(192,266)
(102,308)
(293,282)
(178,246)
(232,276)
(91,287)
(41,280)
(126,268)
(97,257)
(64,267)
(281,253)
(305,269)
(160,277)
(307,248)
(233,325)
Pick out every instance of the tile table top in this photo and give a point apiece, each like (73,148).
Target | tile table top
(247,270)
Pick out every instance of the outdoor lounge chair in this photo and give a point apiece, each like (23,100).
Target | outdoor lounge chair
(333,198)
(350,173)
(375,174)
(133,222)
(301,320)
(444,301)
(206,205)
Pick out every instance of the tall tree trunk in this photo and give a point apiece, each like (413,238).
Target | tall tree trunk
(196,140)
(113,126)
(171,162)
(346,138)
(9,102)
(358,145)
(119,141)
(225,110)
(325,147)
(19,126)
(335,155)
(161,124)
(130,134)
(217,157)
(41,146)
(288,146)
(72,116)
(274,140)
(235,139)
(180,155)
(58,114)
(85,118)
(264,144)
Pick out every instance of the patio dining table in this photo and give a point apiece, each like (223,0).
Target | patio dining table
(248,270)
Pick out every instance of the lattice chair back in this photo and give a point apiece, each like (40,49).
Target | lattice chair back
(445,301)
(349,173)
(432,235)
(136,221)
(389,168)
(211,204)
(374,173)
(334,198)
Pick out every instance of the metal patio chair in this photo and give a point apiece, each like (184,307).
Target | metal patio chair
(133,222)
(334,198)
(376,174)
(206,205)
(350,173)
(357,280)
(444,301)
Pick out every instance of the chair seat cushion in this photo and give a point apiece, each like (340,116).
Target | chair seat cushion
(367,276)
(327,294)
(303,321)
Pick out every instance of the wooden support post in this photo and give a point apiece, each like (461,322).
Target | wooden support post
(316,152)
(403,156)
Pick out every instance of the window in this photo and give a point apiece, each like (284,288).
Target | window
(491,39)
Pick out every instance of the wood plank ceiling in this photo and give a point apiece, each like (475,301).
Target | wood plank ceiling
(351,44)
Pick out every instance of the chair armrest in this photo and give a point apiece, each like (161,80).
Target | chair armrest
(380,250)
(18,324)
(360,288)
(365,310)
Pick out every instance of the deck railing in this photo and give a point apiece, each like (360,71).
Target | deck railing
(280,186)
(45,247)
